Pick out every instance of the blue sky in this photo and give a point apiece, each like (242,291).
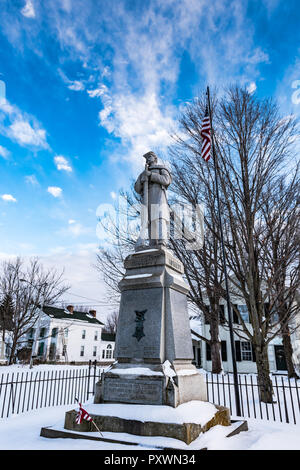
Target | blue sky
(91,85)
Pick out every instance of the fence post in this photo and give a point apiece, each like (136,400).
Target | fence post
(95,372)
(89,378)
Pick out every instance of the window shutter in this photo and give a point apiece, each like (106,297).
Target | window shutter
(253,354)
(224,351)
(221,314)
(238,351)
(235,318)
(208,352)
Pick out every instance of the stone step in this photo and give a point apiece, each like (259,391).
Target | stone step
(52,432)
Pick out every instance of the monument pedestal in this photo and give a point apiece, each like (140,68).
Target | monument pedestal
(184,423)
(153,343)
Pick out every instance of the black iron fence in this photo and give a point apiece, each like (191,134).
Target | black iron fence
(26,391)
(285,406)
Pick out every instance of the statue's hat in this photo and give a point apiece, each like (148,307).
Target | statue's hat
(148,154)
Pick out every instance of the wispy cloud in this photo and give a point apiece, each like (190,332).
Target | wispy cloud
(25,134)
(98,92)
(136,74)
(21,127)
(32,179)
(28,9)
(75,229)
(4,153)
(75,85)
(55,191)
(8,198)
(62,163)
(251,88)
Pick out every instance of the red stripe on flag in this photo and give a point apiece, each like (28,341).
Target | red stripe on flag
(82,414)
(206,137)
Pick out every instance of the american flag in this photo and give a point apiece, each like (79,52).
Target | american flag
(82,414)
(205,134)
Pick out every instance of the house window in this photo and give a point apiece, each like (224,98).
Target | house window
(66,332)
(64,350)
(83,334)
(54,332)
(42,332)
(96,336)
(246,351)
(108,352)
(31,333)
(244,313)
(82,351)
(41,349)
(95,351)
(52,352)
(103,354)
(270,313)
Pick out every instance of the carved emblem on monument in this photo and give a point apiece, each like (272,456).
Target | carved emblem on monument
(139,328)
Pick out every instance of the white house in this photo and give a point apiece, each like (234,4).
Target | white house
(65,335)
(245,356)
(3,348)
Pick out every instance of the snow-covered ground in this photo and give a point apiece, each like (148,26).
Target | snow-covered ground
(46,385)
(286,396)
(22,431)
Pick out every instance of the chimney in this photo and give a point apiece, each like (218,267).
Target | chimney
(93,313)
(70,308)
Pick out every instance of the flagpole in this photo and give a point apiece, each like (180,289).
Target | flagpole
(97,428)
(235,376)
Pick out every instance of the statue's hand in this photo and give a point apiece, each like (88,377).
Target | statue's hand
(145,175)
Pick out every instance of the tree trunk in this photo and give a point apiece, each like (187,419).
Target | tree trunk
(216,361)
(288,352)
(263,375)
(12,352)
(215,345)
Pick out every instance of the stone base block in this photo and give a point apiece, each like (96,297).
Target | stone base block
(186,432)
(124,384)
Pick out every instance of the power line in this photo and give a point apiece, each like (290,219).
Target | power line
(88,298)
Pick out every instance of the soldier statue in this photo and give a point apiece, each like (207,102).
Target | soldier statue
(152,184)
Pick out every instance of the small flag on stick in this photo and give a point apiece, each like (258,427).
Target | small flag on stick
(82,414)
(206,136)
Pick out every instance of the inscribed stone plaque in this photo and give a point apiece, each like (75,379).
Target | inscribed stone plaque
(150,352)
(133,391)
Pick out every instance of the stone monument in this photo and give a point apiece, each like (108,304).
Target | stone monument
(153,345)
(153,342)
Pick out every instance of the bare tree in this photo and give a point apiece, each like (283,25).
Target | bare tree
(111,322)
(253,146)
(30,286)
(121,242)
(281,217)
(194,184)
